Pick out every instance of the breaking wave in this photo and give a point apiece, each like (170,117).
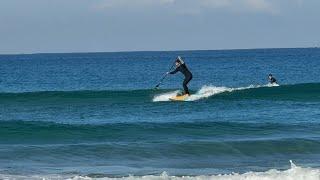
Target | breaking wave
(294,172)
(207,91)
(295,92)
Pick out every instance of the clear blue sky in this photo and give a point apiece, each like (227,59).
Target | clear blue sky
(31,26)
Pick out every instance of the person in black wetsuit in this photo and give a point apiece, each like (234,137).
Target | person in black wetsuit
(181,67)
(272,80)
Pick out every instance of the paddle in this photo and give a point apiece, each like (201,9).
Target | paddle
(161,80)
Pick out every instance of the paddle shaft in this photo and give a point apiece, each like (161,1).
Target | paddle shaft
(161,80)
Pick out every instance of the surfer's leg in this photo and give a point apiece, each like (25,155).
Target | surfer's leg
(185,83)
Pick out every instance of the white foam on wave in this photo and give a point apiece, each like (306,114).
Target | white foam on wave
(165,96)
(294,173)
(206,91)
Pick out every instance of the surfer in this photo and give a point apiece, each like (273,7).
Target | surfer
(272,80)
(181,66)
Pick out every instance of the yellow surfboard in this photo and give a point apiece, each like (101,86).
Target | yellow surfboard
(180,98)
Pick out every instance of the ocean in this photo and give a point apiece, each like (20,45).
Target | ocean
(98,116)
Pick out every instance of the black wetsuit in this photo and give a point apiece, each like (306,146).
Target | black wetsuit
(273,80)
(187,76)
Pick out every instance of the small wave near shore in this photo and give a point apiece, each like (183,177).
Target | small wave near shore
(294,172)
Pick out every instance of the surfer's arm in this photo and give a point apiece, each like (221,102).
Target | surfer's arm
(175,71)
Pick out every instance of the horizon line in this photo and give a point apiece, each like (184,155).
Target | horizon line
(137,51)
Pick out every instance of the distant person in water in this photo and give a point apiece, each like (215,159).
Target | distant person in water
(181,66)
(272,80)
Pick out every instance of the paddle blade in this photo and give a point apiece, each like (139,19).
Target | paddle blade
(157,86)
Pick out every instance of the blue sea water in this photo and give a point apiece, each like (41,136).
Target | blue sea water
(97,115)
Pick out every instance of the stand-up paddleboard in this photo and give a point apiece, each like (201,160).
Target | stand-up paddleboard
(179,97)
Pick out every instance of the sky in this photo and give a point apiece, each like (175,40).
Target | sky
(48,26)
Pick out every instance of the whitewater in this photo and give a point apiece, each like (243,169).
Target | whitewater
(293,173)
(206,92)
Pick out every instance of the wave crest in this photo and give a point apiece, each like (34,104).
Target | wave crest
(295,172)
(294,92)
(206,92)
